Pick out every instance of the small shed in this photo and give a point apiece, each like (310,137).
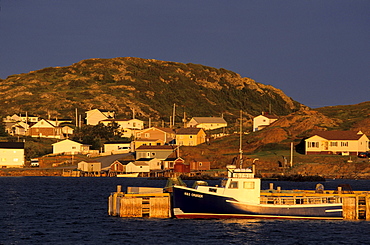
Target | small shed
(89,166)
(118,166)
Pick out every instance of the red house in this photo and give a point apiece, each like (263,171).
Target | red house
(200,164)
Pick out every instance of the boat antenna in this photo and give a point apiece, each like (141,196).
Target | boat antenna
(240,141)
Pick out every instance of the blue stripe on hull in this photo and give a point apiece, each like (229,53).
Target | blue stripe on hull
(192,202)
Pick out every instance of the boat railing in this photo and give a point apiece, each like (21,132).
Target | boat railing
(298,200)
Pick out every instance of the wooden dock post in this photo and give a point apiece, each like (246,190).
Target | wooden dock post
(114,202)
(367,209)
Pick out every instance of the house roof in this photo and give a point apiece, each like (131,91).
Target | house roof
(116,142)
(12,145)
(269,116)
(144,159)
(147,139)
(140,163)
(166,130)
(121,162)
(172,159)
(157,147)
(209,119)
(120,120)
(71,141)
(339,135)
(189,131)
(39,123)
(199,159)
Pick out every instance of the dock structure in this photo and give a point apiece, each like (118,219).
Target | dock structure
(139,202)
(153,203)
(356,204)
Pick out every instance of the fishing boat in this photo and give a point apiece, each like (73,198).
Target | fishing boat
(240,196)
(129,175)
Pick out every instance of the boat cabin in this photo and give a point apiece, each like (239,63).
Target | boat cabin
(240,185)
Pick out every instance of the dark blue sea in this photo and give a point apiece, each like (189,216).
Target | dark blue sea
(57,210)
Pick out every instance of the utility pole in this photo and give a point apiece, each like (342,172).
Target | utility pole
(76,117)
(291,154)
(240,142)
(174,114)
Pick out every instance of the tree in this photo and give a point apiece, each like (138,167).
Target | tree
(3,132)
(97,135)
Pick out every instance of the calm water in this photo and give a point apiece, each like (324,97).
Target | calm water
(56,210)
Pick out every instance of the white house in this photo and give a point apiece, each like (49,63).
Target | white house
(45,129)
(125,123)
(70,147)
(117,147)
(337,142)
(89,166)
(207,123)
(93,117)
(154,163)
(128,127)
(22,118)
(132,167)
(16,128)
(262,121)
(11,154)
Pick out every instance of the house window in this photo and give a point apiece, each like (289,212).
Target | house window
(153,153)
(334,143)
(171,164)
(147,135)
(200,164)
(233,185)
(313,144)
(73,147)
(345,144)
(191,136)
(138,135)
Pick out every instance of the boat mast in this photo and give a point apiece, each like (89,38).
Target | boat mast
(240,141)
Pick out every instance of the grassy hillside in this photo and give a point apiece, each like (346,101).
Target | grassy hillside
(150,87)
(353,117)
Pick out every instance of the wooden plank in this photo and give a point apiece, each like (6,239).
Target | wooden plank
(367,211)
(349,208)
(159,207)
(131,207)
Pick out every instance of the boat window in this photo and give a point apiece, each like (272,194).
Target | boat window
(248,185)
(233,185)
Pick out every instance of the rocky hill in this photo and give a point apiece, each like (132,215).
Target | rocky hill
(149,87)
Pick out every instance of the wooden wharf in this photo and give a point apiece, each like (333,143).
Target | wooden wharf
(153,203)
(144,202)
(356,204)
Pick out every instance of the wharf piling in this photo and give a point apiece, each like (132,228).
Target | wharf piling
(139,202)
(356,207)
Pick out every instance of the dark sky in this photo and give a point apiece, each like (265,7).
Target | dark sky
(316,51)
